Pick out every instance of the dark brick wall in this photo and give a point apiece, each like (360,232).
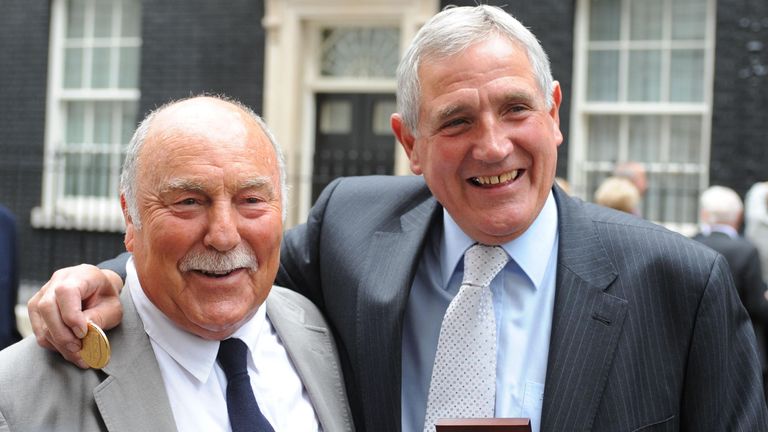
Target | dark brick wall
(552,22)
(195,46)
(740,117)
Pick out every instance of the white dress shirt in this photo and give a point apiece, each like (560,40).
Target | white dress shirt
(523,301)
(196,385)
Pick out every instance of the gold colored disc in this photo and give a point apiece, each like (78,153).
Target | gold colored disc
(95,351)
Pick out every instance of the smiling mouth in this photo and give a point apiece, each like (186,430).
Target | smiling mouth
(216,274)
(496,179)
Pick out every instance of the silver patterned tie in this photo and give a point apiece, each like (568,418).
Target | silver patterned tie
(464,374)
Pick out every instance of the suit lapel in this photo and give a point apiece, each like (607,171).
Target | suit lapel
(587,322)
(312,352)
(391,265)
(133,395)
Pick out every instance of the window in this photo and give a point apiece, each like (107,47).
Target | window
(92,111)
(359,52)
(643,92)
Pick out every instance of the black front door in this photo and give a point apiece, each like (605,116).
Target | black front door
(352,137)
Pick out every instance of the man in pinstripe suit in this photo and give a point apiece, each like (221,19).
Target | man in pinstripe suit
(608,322)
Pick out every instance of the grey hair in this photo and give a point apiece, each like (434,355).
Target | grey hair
(454,30)
(720,205)
(128,176)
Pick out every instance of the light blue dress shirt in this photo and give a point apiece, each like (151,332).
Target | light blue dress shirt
(523,299)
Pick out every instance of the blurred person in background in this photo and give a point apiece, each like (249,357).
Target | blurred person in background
(9,278)
(756,222)
(618,193)
(720,214)
(634,172)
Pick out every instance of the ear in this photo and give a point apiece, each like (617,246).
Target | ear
(407,140)
(130,230)
(554,112)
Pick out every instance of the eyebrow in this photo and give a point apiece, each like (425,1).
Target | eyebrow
(262,183)
(518,96)
(449,111)
(189,185)
(175,185)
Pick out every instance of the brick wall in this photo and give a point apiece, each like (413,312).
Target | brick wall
(194,46)
(740,117)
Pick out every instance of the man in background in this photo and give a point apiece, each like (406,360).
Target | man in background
(634,172)
(618,193)
(720,213)
(9,278)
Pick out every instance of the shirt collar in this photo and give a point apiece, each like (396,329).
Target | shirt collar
(531,251)
(193,353)
(725,229)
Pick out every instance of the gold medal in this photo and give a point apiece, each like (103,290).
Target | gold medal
(95,351)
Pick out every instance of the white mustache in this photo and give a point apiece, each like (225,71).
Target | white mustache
(211,261)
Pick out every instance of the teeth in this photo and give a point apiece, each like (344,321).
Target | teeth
(216,273)
(492,180)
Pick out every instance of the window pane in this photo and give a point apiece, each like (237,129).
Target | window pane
(644,138)
(129,67)
(604,20)
(75,18)
(75,124)
(686,82)
(73,67)
(644,76)
(102,123)
(382,111)
(673,197)
(102,18)
(100,70)
(86,175)
(685,139)
(689,17)
(603,76)
(130,110)
(646,19)
(360,52)
(603,138)
(336,117)
(131,26)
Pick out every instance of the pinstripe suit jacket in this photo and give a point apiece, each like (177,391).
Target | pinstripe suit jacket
(40,391)
(648,332)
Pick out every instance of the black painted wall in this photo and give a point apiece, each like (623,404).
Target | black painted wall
(740,118)
(195,46)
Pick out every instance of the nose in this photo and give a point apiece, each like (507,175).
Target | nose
(491,143)
(222,233)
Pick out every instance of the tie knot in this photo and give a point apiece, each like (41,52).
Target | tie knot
(233,357)
(482,263)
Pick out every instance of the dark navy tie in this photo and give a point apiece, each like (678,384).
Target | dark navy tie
(244,412)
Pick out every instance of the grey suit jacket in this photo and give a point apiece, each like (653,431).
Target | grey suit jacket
(648,332)
(40,391)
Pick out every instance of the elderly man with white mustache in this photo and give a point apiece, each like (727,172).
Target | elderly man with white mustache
(206,342)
